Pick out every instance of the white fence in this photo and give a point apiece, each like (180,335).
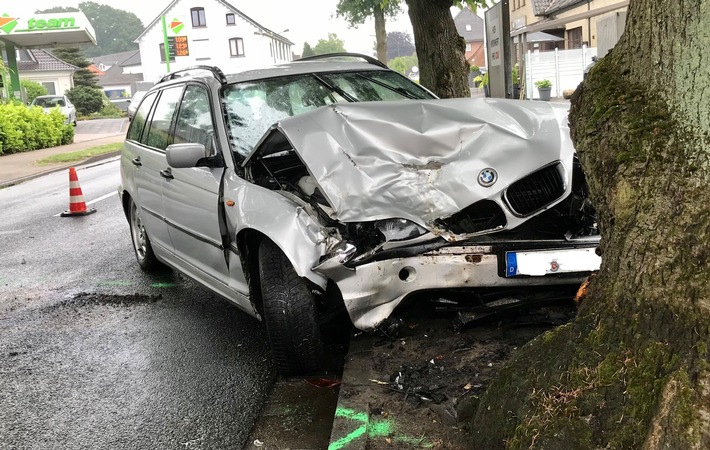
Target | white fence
(564,68)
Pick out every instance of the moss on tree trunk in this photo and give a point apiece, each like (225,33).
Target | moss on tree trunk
(632,371)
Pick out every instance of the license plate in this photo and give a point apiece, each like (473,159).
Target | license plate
(550,262)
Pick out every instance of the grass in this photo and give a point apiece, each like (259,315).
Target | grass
(80,154)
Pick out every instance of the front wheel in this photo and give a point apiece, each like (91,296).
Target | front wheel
(290,314)
(141,244)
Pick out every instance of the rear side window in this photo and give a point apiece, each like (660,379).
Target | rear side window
(158,133)
(139,119)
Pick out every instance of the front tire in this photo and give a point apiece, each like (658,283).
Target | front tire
(290,315)
(141,244)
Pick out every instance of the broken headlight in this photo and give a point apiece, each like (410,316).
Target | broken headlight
(399,229)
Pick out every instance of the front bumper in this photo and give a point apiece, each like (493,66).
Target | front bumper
(373,290)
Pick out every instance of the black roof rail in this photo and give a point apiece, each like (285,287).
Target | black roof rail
(215,71)
(368,59)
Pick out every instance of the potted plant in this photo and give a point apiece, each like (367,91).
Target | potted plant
(516,82)
(544,87)
(484,83)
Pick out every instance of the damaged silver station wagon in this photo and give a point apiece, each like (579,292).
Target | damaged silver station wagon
(320,183)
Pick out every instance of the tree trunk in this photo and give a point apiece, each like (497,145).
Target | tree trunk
(633,370)
(380,33)
(440,49)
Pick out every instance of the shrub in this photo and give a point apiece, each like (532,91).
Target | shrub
(33,89)
(543,84)
(23,128)
(87,100)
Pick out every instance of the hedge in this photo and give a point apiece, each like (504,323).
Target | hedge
(25,128)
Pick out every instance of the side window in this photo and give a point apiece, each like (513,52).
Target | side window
(158,135)
(139,119)
(194,122)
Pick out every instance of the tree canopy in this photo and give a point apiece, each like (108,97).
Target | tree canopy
(75,57)
(357,11)
(399,43)
(307,50)
(115,29)
(402,64)
(331,45)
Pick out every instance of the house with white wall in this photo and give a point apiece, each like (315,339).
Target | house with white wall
(44,68)
(215,33)
(117,73)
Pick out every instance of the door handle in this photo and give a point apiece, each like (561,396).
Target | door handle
(137,161)
(167,173)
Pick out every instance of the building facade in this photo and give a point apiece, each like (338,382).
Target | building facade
(118,73)
(42,67)
(543,25)
(470,28)
(209,32)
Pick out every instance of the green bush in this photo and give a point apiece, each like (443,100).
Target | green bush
(87,100)
(543,84)
(33,89)
(23,128)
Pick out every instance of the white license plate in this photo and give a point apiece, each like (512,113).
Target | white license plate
(549,262)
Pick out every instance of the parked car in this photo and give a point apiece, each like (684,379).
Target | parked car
(133,105)
(322,183)
(49,102)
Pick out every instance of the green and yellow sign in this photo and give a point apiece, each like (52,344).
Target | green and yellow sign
(37,24)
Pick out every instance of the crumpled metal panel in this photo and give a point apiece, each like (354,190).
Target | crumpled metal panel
(420,160)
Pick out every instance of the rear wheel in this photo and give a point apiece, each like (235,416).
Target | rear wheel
(141,244)
(290,314)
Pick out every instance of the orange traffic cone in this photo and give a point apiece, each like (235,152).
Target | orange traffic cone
(77,207)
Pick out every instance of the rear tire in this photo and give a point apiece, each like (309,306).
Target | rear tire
(290,315)
(141,244)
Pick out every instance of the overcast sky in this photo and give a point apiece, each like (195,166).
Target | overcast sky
(307,20)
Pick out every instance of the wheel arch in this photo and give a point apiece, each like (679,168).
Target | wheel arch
(248,241)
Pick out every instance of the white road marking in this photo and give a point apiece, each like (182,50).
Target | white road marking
(103,197)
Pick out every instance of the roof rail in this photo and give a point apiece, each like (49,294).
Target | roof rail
(368,59)
(215,71)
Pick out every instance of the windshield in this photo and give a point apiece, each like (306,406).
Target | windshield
(252,107)
(48,102)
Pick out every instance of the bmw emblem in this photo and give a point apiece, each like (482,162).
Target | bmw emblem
(487,177)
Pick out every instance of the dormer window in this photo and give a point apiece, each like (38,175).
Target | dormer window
(198,17)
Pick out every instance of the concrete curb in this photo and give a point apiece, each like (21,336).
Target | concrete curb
(352,417)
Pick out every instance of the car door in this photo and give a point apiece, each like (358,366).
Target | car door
(192,195)
(151,164)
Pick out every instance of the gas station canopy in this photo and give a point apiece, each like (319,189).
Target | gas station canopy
(42,31)
(47,30)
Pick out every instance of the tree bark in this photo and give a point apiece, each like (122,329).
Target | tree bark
(440,49)
(633,370)
(380,33)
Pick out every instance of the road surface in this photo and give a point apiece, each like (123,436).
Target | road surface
(96,354)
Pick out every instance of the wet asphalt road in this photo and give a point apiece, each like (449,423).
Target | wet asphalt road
(95,354)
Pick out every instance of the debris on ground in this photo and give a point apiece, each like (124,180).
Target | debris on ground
(425,378)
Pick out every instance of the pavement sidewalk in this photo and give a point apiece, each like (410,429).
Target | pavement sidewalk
(18,167)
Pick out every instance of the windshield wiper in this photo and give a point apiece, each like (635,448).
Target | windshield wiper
(397,89)
(336,89)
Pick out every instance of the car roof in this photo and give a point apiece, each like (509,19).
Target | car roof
(280,70)
(50,96)
(300,68)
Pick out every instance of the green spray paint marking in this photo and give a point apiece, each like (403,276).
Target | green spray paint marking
(162,285)
(374,428)
(360,431)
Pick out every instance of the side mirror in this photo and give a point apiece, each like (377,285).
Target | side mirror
(181,156)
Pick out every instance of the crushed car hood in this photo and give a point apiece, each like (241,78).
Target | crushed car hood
(420,160)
